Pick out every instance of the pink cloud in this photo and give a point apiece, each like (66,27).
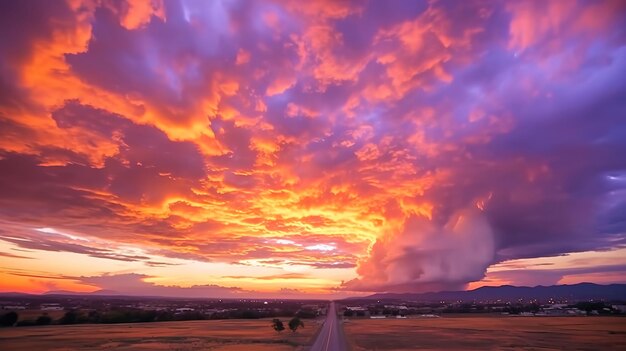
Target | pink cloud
(209,131)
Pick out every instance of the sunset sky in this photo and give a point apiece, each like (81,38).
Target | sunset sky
(310,148)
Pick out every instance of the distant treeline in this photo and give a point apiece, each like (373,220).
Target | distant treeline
(600,307)
(135,315)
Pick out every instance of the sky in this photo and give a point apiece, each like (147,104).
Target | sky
(317,149)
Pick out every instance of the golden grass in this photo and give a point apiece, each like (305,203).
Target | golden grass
(488,333)
(223,335)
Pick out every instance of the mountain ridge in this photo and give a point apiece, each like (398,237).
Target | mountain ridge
(580,291)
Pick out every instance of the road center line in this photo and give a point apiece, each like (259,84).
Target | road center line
(330,332)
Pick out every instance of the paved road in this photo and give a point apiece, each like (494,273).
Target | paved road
(331,336)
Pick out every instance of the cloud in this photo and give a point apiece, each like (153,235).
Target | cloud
(535,23)
(532,277)
(424,255)
(134,284)
(135,15)
(59,243)
(43,276)
(418,142)
(285,276)
(10,255)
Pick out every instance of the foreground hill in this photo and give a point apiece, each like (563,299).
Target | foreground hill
(582,291)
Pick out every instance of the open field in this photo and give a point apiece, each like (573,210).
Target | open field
(488,333)
(231,335)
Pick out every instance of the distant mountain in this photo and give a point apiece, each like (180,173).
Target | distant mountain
(64,292)
(582,291)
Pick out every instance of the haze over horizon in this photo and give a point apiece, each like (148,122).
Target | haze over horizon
(311,149)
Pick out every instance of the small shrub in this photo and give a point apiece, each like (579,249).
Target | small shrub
(295,323)
(43,320)
(8,319)
(277,325)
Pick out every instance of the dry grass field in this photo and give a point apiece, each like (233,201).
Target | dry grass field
(222,335)
(488,333)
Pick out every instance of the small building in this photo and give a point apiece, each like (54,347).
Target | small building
(184,309)
(356,308)
(620,308)
(51,307)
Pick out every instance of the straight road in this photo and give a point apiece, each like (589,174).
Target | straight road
(331,336)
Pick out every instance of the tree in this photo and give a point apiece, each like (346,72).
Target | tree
(8,319)
(70,317)
(295,323)
(277,325)
(44,319)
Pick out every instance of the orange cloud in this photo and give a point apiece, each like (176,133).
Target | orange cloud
(314,139)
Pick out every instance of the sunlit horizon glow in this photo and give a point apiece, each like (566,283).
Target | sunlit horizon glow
(315,149)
